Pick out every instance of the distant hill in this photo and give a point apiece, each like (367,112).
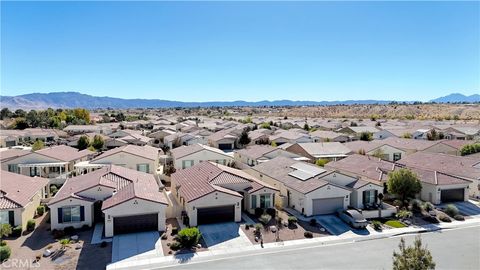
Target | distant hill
(456,97)
(75,99)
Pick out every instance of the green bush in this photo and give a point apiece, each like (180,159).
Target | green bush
(258,227)
(470,149)
(428,206)
(321,162)
(404,214)
(188,237)
(395,224)
(17,231)
(451,210)
(308,234)
(40,210)
(292,220)
(313,222)
(3,243)
(5,230)
(30,225)
(416,205)
(377,225)
(175,246)
(397,203)
(265,219)
(5,253)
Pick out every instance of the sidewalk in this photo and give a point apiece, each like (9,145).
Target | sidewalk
(148,263)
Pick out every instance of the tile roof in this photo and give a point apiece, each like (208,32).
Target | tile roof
(64,153)
(12,153)
(327,134)
(207,177)
(325,149)
(279,169)
(183,151)
(256,151)
(145,151)
(17,189)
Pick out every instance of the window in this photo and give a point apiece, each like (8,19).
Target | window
(397,156)
(13,168)
(71,213)
(143,168)
(369,196)
(33,171)
(4,217)
(187,164)
(54,169)
(254,201)
(265,201)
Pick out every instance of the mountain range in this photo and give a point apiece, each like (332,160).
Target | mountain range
(79,100)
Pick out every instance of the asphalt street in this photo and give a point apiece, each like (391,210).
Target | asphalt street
(451,249)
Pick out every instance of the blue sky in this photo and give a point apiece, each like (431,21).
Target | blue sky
(193,51)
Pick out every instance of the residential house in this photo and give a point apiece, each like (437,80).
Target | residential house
(320,150)
(211,193)
(187,156)
(329,136)
(285,136)
(256,154)
(20,196)
(124,200)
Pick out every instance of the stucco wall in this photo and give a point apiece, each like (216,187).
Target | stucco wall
(129,161)
(435,192)
(327,191)
(211,200)
(203,155)
(71,202)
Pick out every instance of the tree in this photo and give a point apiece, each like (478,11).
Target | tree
(37,145)
(414,257)
(432,135)
(20,123)
(379,153)
(306,127)
(244,139)
(98,142)
(273,144)
(83,142)
(366,136)
(321,162)
(5,113)
(404,183)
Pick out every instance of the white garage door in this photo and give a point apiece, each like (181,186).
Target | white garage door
(327,206)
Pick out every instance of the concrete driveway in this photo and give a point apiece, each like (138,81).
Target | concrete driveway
(466,208)
(224,236)
(134,246)
(336,226)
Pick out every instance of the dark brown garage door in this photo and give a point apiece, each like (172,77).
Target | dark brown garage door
(140,223)
(225,146)
(217,214)
(452,195)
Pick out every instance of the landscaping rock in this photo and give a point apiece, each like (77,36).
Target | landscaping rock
(273,228)
(78,246)
(199,245)
(47,253)
(322,229)
(74,237)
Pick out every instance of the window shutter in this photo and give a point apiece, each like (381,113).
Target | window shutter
(60,215)
(364,197)
(11,218)
(82,213)
(254,201)
(376,196)
(273,200)
(148,168)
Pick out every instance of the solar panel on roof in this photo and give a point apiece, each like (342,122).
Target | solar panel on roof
(310,169)
(299,174)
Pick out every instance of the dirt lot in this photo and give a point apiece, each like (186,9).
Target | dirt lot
(26,247)
(285,233)
(172,222)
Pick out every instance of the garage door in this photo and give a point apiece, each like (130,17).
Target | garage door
(215,214)
(225,146)
(140,223)
(327,206)
(452,195)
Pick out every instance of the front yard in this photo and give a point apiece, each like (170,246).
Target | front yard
(168,240)
(275,231)
(79,254)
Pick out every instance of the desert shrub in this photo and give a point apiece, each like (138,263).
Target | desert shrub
(3,243)
(313,222)
(5,230)
(308,234)
(259,212)
(58,234)
(430,219)
(444,218)
(292,220)
(428,206)
(321,162)
(175,246)
(247,226)
(397,203)
(5,253)
(17,231)
(265,219)
(188,237)
(40,210)
(30,225)
(404,214)
(451,210)
(258,227)
(69,230)
(377,225)
(416,205)
(272,212)
(459,217)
